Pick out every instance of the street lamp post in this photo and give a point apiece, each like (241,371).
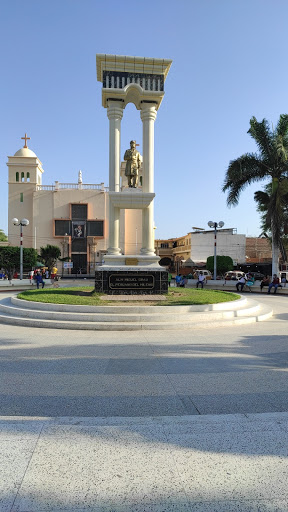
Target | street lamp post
(21,223)
(215,225)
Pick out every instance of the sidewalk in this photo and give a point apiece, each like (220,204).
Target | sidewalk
(25,284)
(190,421)
(163,464)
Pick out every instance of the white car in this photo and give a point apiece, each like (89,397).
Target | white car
(233,275)
(205,273)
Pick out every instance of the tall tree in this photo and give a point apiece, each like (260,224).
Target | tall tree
(265,206)
(10,257)
(271,161)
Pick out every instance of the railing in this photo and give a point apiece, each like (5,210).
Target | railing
(74,186)
(45,187)
(164,250)
(181,248)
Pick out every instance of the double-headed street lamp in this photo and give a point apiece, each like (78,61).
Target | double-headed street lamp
(215,225)
(21,223)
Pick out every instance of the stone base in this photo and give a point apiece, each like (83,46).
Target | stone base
(131,260)
(131,281)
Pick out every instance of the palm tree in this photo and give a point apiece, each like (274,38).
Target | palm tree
(49,255)
(265,206)
(271,161)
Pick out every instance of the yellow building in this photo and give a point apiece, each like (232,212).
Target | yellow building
(73,216)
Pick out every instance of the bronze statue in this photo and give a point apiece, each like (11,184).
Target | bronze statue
(133,163)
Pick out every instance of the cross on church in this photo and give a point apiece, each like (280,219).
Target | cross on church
(25,138)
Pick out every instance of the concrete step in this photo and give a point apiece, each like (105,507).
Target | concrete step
(31,314)
(128,314)
(138,308)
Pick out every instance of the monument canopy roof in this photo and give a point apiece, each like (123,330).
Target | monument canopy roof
(126,63)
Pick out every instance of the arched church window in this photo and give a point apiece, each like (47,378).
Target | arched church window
(17,176)
(21,197)
(28,176)
(22,176)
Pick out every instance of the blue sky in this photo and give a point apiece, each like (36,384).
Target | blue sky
(229,64)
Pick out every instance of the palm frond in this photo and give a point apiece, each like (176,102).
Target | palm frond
(263,136)
(241,172)
(262,199)
(282,126)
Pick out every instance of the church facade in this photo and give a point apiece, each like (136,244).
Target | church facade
(73,216)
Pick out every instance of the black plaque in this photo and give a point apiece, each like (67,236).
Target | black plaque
(124,282)
(131,282)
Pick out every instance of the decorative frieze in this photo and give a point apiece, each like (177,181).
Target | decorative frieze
(119,80)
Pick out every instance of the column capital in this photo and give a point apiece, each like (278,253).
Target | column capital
(148,111)
(115,110)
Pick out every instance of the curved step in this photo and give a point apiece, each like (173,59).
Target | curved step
(132,314)
(154,317)
(231,305)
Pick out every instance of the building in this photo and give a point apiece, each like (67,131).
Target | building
(229,243)
(199,245)
(73,216)
(258,250)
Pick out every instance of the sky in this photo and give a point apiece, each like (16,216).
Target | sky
(229,64)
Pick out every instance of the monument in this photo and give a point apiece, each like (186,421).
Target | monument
(140,81)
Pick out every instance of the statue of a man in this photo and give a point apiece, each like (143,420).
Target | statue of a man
(133,163)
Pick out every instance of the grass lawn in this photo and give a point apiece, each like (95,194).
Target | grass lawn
(175,296)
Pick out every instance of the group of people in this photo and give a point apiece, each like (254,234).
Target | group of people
(245,279)
(249,281)
(6,275)
(38,276)
(181,281)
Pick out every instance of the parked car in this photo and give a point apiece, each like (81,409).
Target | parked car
(205,273)
(233,275)
(283,274)
(257,275)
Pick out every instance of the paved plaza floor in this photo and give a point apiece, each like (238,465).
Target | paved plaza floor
(145,421)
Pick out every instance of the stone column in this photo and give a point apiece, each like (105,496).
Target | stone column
(115,114)
(148,116)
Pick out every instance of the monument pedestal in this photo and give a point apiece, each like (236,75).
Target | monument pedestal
(131,280)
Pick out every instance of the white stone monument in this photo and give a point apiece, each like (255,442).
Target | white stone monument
(137,80)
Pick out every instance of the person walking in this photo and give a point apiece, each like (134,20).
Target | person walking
(10,275)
